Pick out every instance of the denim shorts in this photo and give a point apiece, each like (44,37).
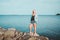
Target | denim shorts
(32,22)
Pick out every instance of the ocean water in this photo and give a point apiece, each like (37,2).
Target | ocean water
(48,26)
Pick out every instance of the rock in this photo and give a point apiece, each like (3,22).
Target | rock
(32,38)
(12,29)
(47,38)
(26,34)
(0,27)
(21,33)
(8,38)
(9,33)
(1,33)
(43,38)
(2,30)
(1,37)
(38,38)
(25,37)
(13,34)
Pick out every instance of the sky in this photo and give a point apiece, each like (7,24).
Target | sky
(25,7)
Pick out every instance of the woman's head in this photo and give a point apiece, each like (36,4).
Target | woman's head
(34,12)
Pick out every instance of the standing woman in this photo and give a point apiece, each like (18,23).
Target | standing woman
(33,23)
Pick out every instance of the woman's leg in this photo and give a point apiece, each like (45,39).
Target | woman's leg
(34,27)
(35,34)
(30,27)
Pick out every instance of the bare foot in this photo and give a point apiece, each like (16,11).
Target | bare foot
(35,34)
(31,33)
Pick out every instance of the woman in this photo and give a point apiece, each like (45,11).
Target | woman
(33,23)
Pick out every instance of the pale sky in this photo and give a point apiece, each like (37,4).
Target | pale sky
(25,7)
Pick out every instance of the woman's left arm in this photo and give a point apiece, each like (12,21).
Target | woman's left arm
(36,18)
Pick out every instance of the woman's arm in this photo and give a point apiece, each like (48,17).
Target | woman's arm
(36,18)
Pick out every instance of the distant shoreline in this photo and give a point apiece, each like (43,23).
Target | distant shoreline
(58,14)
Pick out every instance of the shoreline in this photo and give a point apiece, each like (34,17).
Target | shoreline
(13,34)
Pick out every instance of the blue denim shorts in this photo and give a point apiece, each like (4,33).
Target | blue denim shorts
(32,22)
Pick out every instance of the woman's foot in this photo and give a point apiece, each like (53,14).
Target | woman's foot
(31,34)
(35,34)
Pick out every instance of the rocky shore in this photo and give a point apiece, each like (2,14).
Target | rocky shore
(13,34)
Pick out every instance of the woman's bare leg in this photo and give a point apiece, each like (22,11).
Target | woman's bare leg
(30,27)
(35,34)
(34,27)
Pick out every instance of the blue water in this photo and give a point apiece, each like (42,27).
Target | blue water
(47,25)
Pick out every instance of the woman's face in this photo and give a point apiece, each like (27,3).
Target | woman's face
(33,12)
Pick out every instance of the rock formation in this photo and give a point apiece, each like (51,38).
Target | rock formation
(13,34)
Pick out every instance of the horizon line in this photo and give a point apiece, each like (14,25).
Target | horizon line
(16,15)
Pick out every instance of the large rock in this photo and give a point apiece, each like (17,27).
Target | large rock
(1,37)
(32,38)
(38,38)
(13,34)
(2,30)
(10,33)
(7,38)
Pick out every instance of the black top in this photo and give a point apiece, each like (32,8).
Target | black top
(32,18)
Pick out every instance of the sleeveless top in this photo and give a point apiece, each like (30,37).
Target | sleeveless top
(33,18)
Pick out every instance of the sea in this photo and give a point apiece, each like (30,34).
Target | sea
(47,25)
